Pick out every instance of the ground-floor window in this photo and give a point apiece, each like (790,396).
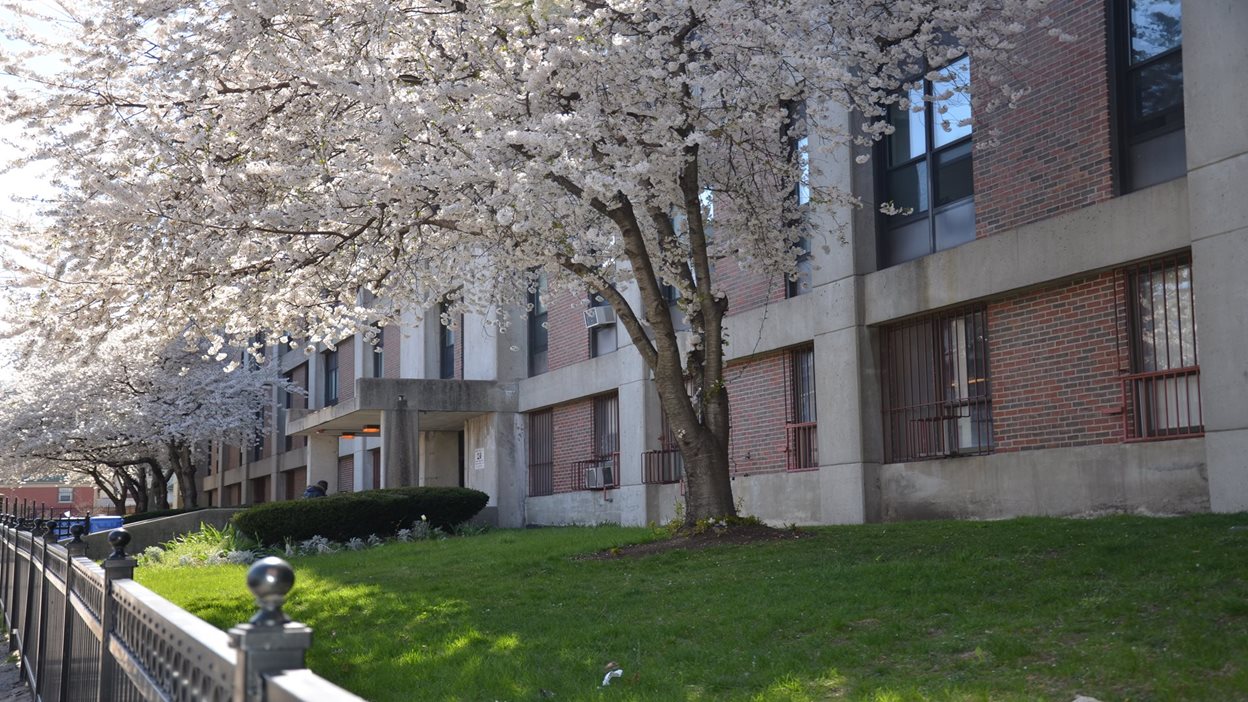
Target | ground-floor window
(802,445)
(541,453)
(1161,395)
(936,390)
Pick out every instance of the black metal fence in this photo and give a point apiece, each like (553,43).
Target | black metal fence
(90,633)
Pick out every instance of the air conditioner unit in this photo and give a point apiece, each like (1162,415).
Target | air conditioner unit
(599,317)
(600,477)
(594,478)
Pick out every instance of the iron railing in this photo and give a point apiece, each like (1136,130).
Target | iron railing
(89,633)
(1157,350)
(661,466)
(601,473)
(802,446)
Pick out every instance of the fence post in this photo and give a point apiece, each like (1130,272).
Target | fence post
(117,566)
(76,547)
(270,642)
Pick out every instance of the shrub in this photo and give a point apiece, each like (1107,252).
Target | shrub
(154,513)
(356,515)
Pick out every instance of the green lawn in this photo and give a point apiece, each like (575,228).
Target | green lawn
(1120,608)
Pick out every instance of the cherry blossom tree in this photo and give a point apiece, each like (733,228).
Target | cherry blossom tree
(131,418)
(260,165)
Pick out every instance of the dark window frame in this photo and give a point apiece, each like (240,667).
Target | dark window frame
(888,225)
(1161,393)
(801,420)
(329,362)
(935,385)
(598,335)
(446,344)
(539,333)
(1130,132)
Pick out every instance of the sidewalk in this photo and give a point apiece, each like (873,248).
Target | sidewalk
(12,689)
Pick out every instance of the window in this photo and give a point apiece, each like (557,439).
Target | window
(602,471)
(799,281)
(602,339)
(379,353)
(1149,57)
(65,495)
(1161,396)
(935,386)
(802,445)
(446,343)
(539,335)
(330,363)
(927,173)
(541,453)
(666,464)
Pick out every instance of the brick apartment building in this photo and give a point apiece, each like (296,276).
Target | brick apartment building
(1055,327)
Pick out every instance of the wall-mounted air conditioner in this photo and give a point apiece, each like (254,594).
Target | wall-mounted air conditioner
(599,317)
(599,477)
(593,478)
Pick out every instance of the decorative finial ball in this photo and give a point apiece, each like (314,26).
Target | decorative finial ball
(120,539)
(269,577)
(76,530)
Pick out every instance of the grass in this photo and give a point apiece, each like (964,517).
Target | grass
(1121,608)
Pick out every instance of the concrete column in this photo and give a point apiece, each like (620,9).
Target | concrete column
(632,493)
(499,436)
(412,347)
(1215,90)
(400,447)
(839,409)
(323,459)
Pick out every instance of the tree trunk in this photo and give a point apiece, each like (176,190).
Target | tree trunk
(160,486)
(184,470)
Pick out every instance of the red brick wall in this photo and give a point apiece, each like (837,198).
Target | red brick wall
(568,338)
(346,369)
(573,440)
(392,341)
(346,473)
(37,496)
(1053,150)
(459,348)
(1054,366)
(747,289)
(756,407)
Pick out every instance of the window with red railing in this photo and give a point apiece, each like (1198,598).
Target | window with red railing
(666,464)
(801,440)
(603,470)
(936,393)
(1161,393)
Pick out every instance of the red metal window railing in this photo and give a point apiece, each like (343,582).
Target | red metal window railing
(541,454)
(937,398)
(602,473)
(1161,386)
(802,446)
(665,465)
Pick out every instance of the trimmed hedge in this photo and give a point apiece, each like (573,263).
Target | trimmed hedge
(358,514)
(154,513)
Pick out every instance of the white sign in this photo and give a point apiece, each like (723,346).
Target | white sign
(478,459)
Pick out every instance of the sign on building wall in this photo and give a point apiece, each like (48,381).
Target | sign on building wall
(478,459)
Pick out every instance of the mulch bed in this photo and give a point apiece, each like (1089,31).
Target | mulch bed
(735,535)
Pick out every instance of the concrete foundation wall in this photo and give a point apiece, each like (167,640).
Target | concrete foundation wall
(586,507)
(1165,477)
